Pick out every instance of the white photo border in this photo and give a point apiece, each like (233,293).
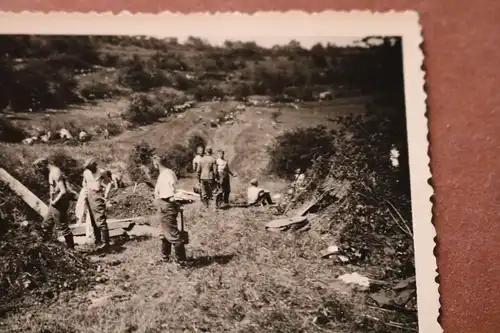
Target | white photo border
(293,25)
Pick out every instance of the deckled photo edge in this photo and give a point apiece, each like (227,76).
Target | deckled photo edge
(327,23)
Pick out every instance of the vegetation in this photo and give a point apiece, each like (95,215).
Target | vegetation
(243,278)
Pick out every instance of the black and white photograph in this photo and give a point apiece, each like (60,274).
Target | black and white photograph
(200,175)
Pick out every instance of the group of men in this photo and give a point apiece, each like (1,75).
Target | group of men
(213,176)
(212,173)
(96,183)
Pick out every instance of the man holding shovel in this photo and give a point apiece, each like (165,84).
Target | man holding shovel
(168,209)
(60,197)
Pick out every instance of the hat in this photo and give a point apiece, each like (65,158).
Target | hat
(89,162)
(40,161)
(254,181)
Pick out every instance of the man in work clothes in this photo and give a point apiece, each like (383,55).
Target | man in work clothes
(207,169)
(96,183)
(60,198)
(167,210)
(196,161)
(224,172)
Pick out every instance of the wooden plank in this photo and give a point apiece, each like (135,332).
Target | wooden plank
(31,199)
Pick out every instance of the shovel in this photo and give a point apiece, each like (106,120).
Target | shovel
(184,235)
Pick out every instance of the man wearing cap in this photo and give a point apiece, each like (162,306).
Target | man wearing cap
(97,183)
(167,210)
(207,169)
(60,197)
(258,196)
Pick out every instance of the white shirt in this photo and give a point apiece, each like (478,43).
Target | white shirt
(253,194)
(166,184)
(196,161)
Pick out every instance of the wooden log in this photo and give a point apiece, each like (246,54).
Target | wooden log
(29,197)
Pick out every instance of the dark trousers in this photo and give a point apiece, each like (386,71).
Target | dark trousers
(58,216)
(170,235)
(207,189)
(97,211)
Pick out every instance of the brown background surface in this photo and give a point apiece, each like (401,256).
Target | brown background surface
(463,64)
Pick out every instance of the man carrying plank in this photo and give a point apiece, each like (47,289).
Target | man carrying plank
(167,210)
(60,197)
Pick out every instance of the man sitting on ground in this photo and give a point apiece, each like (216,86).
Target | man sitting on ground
(258,196)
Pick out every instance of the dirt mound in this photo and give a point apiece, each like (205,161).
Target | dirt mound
(128,203)
(32,271)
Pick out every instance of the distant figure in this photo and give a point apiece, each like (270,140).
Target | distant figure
(60,198)
(299,180)
(106,133)
(97,184)
(168,210)
(65,134)
(223,173)
(258,196)
(83,136)
(207,169)
(196,161)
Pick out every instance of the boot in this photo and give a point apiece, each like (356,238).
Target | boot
(104,236)
(70,242)
(180,254)
(97,237)
(166,249)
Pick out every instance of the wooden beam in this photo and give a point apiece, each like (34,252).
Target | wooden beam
(29,197)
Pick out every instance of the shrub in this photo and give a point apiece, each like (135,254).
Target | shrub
(9,132)
(140,158)
(182,82)
(179,158)
(97,90)
(242,91)
(69,61)
(143,110)
(113,128)
(194,142)
(298,148)
(140,77)
(170,61)
(207,92)
(38,86)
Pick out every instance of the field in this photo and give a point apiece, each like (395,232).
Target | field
(242,278)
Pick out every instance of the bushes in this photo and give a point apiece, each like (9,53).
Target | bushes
(9,132)
(207,92)
(141,77)
(97,90)
(139,160)
(143,110)
(38,86)
(298,149)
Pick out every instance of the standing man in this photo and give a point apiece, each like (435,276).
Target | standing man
(196,162)
(223,175)
(167,210)
(207,169)
(60,197)
(97,184)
